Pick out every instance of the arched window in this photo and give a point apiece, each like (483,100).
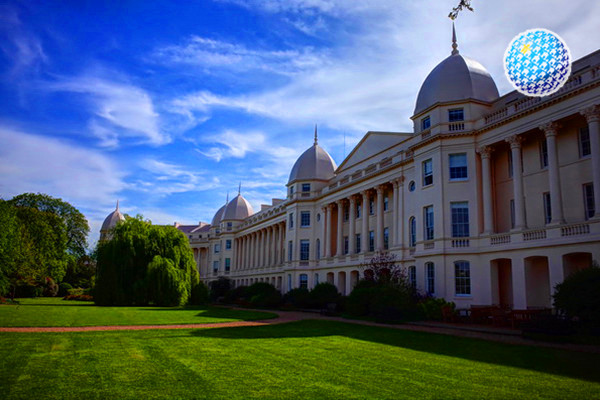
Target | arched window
(462,278)
(412,227)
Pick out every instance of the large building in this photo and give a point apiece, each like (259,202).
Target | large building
(490,200)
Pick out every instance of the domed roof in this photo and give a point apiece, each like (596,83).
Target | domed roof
(454,79)
(237,209)
(219,214)
(314,164)
(112,219)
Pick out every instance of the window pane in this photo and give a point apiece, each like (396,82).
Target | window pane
(304,250)
(585,148)
(547,208)
(456,115)
(462,275)
(460,219)
(428,222)
(425,123)
(544,153)
(458,166)
(427,172)
(412,223)
(430,277)
(304,218)
(588,198)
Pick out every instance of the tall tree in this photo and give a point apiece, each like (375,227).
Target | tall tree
(77,227)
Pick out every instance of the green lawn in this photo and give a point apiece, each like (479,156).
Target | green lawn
(303,360)
(57,312)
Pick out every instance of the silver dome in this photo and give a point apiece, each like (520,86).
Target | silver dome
(454,79)
(314,164)
(112,219)
(237,209)
(218,215)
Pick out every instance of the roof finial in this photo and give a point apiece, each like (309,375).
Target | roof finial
(454,44)
(316,139)
(227,199)
(240,188)
(117,205)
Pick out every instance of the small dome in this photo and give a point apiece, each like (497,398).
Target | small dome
(219,214)
(314,164)
(237,209)
(454,79)
(112,219)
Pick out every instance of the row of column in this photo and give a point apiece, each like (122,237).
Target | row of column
(550,129)
(262,248)
(395,233)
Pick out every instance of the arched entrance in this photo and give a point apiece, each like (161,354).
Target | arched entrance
(501,282)
(574,262)
(537,282)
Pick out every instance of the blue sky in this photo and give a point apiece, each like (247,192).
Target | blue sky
(167,106)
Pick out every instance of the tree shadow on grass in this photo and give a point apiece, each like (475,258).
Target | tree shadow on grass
(571,364)
(219,312)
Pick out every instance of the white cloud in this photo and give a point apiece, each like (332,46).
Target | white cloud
(167,178)
(31,163)
(121,110)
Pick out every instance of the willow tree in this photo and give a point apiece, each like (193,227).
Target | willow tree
(145,264)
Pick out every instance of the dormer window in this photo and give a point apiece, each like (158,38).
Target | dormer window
(456,115)
(425,123)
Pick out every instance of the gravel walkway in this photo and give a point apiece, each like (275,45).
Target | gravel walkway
(502,335)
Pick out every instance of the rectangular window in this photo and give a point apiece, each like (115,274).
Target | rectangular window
(547,208)
(318,249)
(428,223)
(305,219)
(346,245)
(588,200)
(460,219)
(291,220)
(358,242)
(358,209)
(386,238)
(304,250)
(306,187)
(290,251)
(316,279)
(458,167)
(512,214)
(510,165)
(427,172)
(289,282)
(371,241)
(229,226)
(544,153)
(425,123)
(412,276)
(215,267)
(456,114)
(385,203)
(585,149)
(217,248)
(346,213)
(430,277)
(228,244)
(227,264)
(462,276)
(371,207)
(291,190)
(303,281)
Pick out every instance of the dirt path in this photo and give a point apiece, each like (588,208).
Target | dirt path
(291,316)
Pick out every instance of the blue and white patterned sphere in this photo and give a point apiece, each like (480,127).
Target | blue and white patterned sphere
(537,62)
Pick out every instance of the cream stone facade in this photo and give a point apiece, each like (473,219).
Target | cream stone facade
(490,200)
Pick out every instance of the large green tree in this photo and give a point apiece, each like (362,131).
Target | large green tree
(76,224)
(144,264)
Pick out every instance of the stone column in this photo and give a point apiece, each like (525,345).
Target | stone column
(245,251)
(592,115)
(269,239)
(365,222)
(400,204)
(395,195)
(324,240)
(486,180)
(251,251)
(515,148)
(352,226)
(379,232)
(328,230)
(275,244)
(282,244)
(551,131)
(339,234)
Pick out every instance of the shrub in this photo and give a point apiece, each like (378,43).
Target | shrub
(63,289)
(263,295)
(219,288)
(323,294)
(50,287)
(79,297)
(28,288)
(237,295)
(298,298)
(360,300)
(431,308)
(199,294)
(577,296)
